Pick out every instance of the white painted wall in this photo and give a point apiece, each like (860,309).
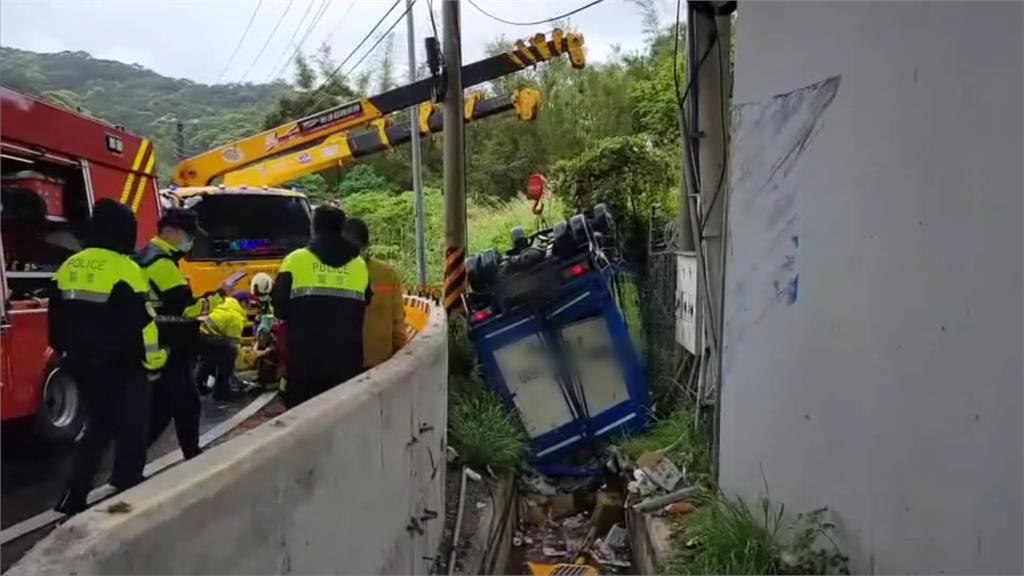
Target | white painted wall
(890,390)
(329,487)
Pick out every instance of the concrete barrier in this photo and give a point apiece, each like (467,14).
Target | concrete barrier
(351,482)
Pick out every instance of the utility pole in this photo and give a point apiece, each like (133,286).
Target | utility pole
(711,34)
(417,167)
(180,139)
(454,161)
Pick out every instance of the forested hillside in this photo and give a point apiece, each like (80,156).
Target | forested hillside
(139,99)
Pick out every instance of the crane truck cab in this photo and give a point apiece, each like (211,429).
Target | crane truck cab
(54,165)
(245,229)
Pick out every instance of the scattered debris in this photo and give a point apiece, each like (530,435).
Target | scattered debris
(660,469)
(451,454)
(551,552)
(679,508)
(481,505)
(658,502)
(473,475)
(617,537)
(538,485)
(120,507)
(642,485)
(607,511)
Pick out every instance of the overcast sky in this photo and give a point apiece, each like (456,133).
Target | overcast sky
(194,39)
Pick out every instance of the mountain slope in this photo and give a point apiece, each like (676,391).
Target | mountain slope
(141,100)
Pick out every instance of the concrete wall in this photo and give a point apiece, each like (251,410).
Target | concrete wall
(326,488)
(885,381)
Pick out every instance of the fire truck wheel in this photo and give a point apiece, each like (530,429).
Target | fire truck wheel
(61,413)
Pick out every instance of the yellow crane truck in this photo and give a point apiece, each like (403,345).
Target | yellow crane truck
(251,224)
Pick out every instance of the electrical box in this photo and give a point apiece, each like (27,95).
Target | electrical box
(686,298)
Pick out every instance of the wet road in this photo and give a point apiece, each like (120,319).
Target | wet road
(32,475)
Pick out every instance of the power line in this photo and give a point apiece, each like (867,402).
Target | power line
(381,38)
(291,41)
(298,47)
(240,40)
(315,93)
(267,43)
(545,21)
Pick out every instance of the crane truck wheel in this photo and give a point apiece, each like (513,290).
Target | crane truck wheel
(60,415)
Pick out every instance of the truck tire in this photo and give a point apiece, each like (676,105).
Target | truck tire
(61,413)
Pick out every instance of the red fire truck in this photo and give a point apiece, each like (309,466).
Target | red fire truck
(54,165)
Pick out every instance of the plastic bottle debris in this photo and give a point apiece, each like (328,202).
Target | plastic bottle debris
(473,475)
(641,484)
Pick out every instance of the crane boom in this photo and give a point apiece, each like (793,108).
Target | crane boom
(200,170)
(342,149)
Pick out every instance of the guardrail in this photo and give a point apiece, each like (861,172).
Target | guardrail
(351,482)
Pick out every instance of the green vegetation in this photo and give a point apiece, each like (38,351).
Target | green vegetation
(480,429)
(678,438)
(391,219)
(726,536)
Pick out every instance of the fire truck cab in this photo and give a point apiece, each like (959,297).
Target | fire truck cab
(54,165)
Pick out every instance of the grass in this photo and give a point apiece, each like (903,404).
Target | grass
(676,435)
(727,536)
(480,428)
(391,220)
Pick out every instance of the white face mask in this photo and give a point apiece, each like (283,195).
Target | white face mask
(186,245)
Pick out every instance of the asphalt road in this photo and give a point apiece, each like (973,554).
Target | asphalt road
(32,475)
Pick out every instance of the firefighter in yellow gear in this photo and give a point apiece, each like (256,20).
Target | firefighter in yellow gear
(175,395)
(321,293)
(384,324)
(219,343)
(102,325)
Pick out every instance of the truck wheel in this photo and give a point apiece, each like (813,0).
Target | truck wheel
(61,412)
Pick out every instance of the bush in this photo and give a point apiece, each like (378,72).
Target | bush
(727,537)
(628,174)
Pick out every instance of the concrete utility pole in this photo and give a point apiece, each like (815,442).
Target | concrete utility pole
(712,32)
(454,161)
(417,167)
(180,139)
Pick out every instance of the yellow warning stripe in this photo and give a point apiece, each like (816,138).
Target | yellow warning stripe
(140,190)
(126,191)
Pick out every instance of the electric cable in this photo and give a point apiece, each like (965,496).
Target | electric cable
(316,93)
(240,41)
(545,21)
(381,38)
(278,68)
(725,146)
(267,43)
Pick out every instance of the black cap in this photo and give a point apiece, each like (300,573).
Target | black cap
(112,226)
(183,218)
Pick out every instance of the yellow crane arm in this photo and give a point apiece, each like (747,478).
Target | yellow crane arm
(342,149)
(201,170)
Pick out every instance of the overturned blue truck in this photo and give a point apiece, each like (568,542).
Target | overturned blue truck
(547,321)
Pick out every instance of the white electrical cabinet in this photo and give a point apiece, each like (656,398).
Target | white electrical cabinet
(686,301)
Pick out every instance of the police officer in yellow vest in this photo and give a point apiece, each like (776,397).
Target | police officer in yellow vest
(321,292)
(102,325)
(175,395)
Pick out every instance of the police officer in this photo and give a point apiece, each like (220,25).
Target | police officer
(175,395)
(102,324)
(321,292)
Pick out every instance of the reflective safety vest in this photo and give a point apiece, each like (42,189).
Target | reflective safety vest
(91,275)
(311,277)
(161,270)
